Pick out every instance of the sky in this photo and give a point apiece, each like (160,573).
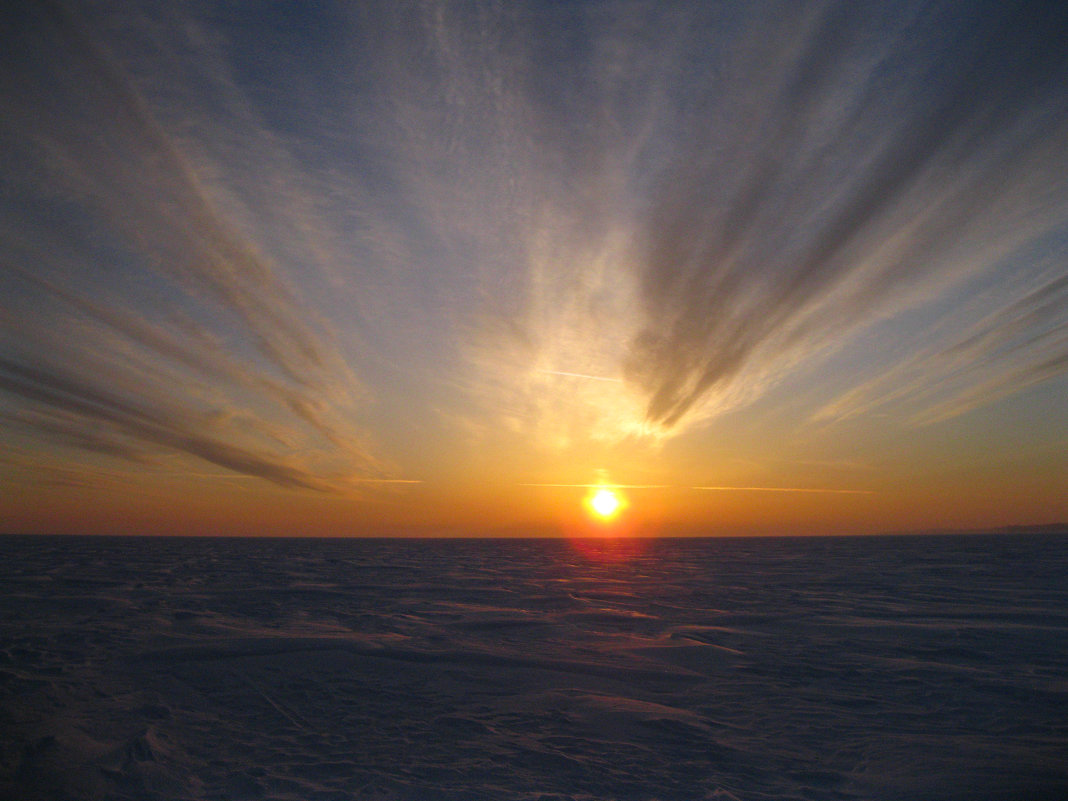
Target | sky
(439,268)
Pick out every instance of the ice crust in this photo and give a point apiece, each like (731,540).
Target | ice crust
(820,669)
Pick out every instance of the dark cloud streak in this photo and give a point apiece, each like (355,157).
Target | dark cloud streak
(84,140)
(125,161)
(713,300)
(94,404)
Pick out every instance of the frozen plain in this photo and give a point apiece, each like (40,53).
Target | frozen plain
(772,668)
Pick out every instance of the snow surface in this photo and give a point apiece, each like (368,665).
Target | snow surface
(821,669)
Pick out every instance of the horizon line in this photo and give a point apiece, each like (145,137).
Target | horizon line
(1058,528)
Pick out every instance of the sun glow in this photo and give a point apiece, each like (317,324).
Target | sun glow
(604,503)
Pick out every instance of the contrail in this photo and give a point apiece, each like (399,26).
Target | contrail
(711,489)
(785,489)
(386,481)
(608,484)
(582,375)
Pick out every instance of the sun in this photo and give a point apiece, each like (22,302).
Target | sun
(604,503)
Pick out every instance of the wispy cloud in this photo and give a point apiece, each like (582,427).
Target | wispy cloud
(1017,345)
(717,202)
(282,249)
(847,197)
(127,418)
(97,152)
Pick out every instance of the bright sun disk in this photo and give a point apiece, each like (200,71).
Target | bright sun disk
(604,503)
